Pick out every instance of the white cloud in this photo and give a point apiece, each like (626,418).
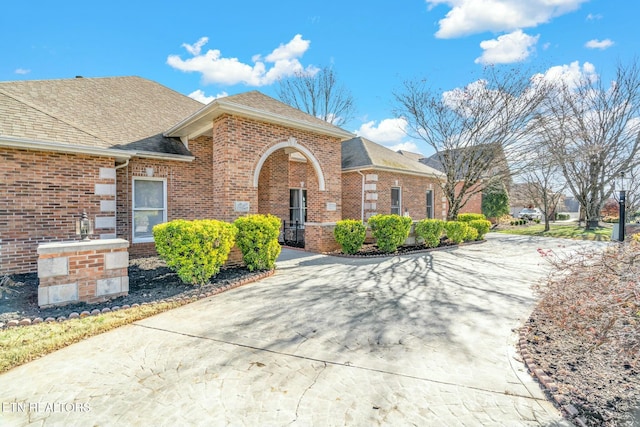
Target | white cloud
(199,95)
(216,69)
(388,131)
(22,71)
(508,48)
(194,49)
(599,44)
(594,17)
(570,74)
(476,16)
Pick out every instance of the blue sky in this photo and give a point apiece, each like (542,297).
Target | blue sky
(208,48)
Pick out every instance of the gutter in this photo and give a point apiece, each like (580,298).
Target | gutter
(119,155)
(30,144)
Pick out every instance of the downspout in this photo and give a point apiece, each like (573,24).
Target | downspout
(125,164)
(362,201)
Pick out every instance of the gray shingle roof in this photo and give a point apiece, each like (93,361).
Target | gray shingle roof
(362,153)
(262,102)
(112,112)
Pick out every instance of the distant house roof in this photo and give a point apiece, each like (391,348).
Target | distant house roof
(462,157)
(360,153)
(255,105)
(122,113)
(127,116)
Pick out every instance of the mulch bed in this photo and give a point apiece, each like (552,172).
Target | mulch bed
(150,280)
(591,385)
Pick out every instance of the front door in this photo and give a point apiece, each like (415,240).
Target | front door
(294,229)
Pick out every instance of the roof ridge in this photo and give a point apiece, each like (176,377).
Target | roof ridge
(43,111)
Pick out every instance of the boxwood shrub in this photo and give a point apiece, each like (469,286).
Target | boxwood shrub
(390,231)
(195,250)
(258,240)
(456,231)
(468,217)
(350,235)
(482,226)
(430,230)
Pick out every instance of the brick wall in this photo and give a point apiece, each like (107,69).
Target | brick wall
(378,184)
(41,196)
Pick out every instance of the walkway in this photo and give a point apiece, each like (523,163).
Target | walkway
(423,340)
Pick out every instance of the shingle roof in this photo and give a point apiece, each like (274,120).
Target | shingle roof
(260,101)
(112,112)
(362,153)
(411,155)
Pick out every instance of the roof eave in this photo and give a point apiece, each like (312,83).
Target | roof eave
(388,169)
(202,120)
(31,144)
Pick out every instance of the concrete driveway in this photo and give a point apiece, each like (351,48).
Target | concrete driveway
(424,340)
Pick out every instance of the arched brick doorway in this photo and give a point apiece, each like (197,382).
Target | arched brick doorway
(289,179)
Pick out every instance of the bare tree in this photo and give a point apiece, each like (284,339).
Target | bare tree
(479,132)
(318,93)
(593,131)
(544,185)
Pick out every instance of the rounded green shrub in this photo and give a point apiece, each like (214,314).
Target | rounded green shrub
(195,250)
(456,231)
(472,234)
(430,230)
(258,240)
(350,235)
(390,231)
(482,226)
(468,217)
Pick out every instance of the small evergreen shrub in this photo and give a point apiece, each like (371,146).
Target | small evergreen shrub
(430,230)
(258,240)
(562,216)
(468,217)
(390,231)
(482,226)
(350,235)
(195,250)
(472,234)
(456,231)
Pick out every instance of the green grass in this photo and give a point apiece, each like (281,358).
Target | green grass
(19,345)
(565,231)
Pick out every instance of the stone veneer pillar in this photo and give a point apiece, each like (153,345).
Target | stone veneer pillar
(82,271)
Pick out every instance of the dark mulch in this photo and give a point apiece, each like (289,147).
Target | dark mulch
(150,280)
(371,250)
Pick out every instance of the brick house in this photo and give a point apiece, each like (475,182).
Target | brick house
(377,180)
(132,153)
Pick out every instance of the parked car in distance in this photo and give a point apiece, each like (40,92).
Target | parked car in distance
(530,214)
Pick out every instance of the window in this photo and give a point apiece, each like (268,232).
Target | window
(395,200)
(430,204)
(149,207)
(298,205)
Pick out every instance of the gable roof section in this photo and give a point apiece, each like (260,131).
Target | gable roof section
(254,105)
(360,153)
(411,155)
(121,113)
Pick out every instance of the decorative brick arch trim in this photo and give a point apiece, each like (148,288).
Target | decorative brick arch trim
(290,143)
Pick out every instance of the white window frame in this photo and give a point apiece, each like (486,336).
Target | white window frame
(399,200)
(433,210)
(135,239)
(302,201)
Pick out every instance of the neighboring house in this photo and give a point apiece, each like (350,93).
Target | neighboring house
(461,158)
(133,153)
(377,180)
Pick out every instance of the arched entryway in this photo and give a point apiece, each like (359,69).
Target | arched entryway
(289,178)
